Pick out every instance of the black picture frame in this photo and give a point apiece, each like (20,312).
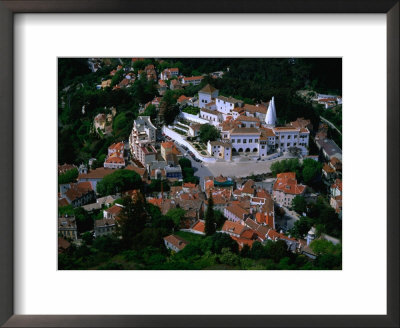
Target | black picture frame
(10,7)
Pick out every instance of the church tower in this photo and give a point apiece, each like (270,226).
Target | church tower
(270,119)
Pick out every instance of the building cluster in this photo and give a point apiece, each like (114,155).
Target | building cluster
(248,209)
(249,129)
(102,123)
(328,101)
(245,129)
(286,188)
(115,157)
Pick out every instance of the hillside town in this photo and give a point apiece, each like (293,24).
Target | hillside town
(194,177)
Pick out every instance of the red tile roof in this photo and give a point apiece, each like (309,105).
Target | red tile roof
(287,183)
(114,210)
(168,144)
(248,187)
(199,226)
(141,171)
(189,185)
(177,241)
(78,190)
(193,78)
(98,173)
(243,241)
(156,201)
(328,169)
(237,211)
(233,227)
(182,98)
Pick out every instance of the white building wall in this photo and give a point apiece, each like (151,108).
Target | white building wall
(211,118)
(224,106)
(193,118)
(245,141)
(178,138)
(204,99)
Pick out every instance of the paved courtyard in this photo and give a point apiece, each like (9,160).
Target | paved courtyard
(242,168)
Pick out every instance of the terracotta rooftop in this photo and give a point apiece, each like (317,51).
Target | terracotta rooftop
(98,173)
(207,89)
(237,211)
(287,183)
(246,131)
(194,78)
(177,241)
(233,227)
(199,226)
(255,109)
(114,210)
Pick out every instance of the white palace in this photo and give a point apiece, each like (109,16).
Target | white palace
(248,129)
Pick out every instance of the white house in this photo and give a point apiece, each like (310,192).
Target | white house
(194,80)
(245,140)
(287,137)
(142,140)
(175,243)
(169,73)
(248,121)
(236,213)
(220,149)
(286,188)
(207,95)
(213,116)
(226,105)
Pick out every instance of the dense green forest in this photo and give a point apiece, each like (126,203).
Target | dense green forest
(250,79)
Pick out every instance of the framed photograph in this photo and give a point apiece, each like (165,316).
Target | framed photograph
(194,154)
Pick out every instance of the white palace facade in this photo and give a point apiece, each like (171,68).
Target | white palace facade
(250,129)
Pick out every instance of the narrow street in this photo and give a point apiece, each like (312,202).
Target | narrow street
(330,124)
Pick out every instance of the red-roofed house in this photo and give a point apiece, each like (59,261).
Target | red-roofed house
(78,194)
(236,213)
(112,212)
(115,158)
(267,219)
(175,243)
(243,241)
(286,188)
(170,153)
(168,73)
(233,229)
(194,80)
(197,227)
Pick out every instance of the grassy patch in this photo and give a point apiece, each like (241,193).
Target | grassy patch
(188,236)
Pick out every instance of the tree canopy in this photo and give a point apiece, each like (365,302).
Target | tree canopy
(210,224)
(119,181)
(208,133)
(68,176)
